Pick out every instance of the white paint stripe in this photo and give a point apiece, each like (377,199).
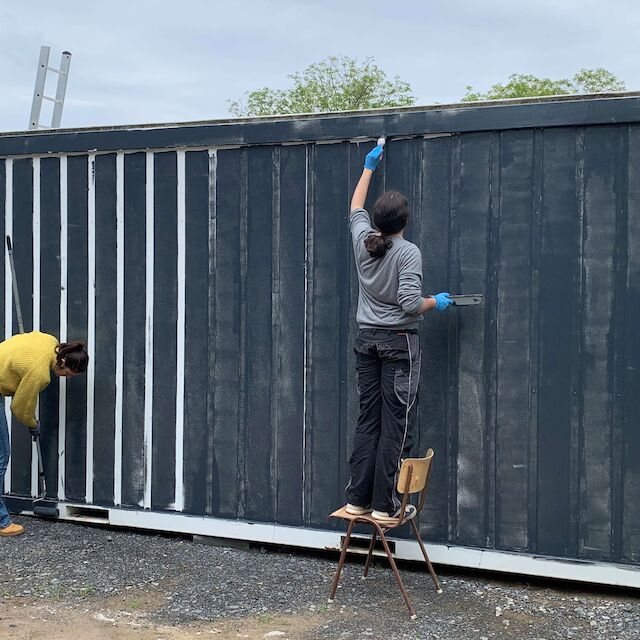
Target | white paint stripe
(443,554)
(91,323)
(62,411)
(179,496)
(36,301)
(8,293)
(117,462)
(148,365)
(36,244)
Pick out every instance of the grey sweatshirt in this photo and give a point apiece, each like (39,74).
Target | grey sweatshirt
(390,287)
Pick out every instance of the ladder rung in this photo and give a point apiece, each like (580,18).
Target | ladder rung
(50,99)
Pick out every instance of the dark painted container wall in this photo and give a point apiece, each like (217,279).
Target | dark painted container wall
(530,401)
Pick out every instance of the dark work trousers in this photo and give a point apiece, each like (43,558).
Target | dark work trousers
(388,372)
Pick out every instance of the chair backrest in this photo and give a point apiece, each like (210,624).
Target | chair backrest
(420,468)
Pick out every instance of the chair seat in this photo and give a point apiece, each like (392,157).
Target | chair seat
(342,513)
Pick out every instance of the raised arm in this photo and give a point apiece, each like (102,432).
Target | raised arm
(362,188)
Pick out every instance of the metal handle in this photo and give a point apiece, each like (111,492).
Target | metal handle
(16,295)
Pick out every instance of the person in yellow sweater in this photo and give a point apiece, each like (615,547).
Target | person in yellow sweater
(26,363)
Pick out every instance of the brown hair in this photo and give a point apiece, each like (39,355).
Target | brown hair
(377,245)
(390,215)
(73,356)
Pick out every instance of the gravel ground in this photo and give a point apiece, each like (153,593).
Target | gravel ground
(176,583)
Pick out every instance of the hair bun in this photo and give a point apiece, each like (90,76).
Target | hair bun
(378,245)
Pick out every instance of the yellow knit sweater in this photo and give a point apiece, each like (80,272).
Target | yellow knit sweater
(26,361)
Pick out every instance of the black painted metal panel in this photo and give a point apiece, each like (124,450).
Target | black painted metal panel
(630,489)
(289,334)
(104,352)
(165,316)
(327,347)
(49,403)
(469,252)
(602,147)
(77,292)
(23,257)
(197,429)
(258,473)
(529,400)
(560,240)
(226,397)
(133,453)
(433,211)
(513,390)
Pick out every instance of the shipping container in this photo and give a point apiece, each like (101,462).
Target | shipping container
(208,267)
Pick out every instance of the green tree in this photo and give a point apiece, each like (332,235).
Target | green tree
(597,81)
(338,83)
(527,86)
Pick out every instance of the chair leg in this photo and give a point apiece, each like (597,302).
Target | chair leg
(394,568)
(436,582)
(370,556)
(343,555)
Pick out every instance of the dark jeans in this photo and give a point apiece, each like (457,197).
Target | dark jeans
(388,372)
(5,452)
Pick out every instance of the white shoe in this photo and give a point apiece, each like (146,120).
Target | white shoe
(354,510)
(384,517)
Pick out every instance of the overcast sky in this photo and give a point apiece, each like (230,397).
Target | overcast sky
(140,61)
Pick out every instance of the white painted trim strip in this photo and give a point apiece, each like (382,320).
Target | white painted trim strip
(486,560)
(36,244)
(181,230)
(148,342)
(8,293)
(36,302)
(522,564)
(117,461)
(91,321)
(62,409)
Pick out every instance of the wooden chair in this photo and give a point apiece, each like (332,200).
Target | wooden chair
(413,478)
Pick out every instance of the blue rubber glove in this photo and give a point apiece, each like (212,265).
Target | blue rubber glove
(442,301)
(373,158)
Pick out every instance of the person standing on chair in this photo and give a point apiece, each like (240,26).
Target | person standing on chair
(26,363)
(390,306)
